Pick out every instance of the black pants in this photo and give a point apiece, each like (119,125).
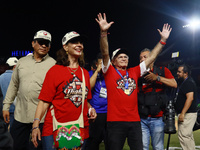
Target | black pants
(6,141)
(97,132)
(21,135)
(119,131)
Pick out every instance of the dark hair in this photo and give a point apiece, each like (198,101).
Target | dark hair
(99,56)
(186,69)
(9,67)
(93,64)
(62,58)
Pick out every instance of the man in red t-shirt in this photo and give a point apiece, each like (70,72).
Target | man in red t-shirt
(122,115)
(150,108)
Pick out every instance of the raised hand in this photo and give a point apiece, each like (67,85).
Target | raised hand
(103,24)
(165,32)
(99,66)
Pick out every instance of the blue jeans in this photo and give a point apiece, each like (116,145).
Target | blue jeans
(154,128)
(47,142)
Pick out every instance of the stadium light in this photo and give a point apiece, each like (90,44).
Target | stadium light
(194,24)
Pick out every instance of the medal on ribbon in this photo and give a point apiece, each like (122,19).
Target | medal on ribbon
(126,90)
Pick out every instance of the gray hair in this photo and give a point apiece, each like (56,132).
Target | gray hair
(144,50)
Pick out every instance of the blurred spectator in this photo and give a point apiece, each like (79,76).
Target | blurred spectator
(186,107)
(97,129)
(6,141)
(5,81)
(150,106)
(93,65)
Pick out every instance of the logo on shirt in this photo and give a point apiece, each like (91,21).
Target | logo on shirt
(131,85)
(73,91)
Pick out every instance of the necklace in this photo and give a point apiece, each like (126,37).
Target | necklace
(72,71)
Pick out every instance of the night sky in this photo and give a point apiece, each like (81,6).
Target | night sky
(135,27)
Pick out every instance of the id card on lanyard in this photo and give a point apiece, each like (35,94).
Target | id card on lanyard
(103,91)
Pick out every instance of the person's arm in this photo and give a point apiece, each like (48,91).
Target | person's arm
(40,111)
(93,78)
(104,26)
(188,102)
(10,94)
(168,82)
(158,48)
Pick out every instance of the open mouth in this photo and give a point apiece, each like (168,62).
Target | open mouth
(78,50)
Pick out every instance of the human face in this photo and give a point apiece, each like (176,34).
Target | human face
(121,61)
(99,61)
(74,49)
(99,65)
(181,74)
(144,55)
(40,48)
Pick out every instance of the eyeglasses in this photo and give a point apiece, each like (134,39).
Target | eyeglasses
(121,57)
(44,42)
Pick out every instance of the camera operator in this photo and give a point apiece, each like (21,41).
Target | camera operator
(185,107)
(152,99)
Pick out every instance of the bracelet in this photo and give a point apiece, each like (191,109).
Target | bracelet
(90,109)
(36,119)
(104,34)
(34,128)
(163,43)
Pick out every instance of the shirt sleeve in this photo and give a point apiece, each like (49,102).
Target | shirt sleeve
(189,87)
(105,68)
(88,85)
(49,87)
(143,68)
(168,74)
(90,73)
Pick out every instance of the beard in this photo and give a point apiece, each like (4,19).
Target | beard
(180,80)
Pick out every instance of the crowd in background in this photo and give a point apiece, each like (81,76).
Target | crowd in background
(118,103)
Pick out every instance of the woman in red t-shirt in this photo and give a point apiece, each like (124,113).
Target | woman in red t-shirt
(62,89)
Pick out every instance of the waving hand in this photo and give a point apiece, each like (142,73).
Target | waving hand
(103,24)
(166,30)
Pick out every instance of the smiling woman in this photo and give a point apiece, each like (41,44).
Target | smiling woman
(72,49)
(67,88)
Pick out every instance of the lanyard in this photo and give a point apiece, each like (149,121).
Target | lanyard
(126,84)
(179,89)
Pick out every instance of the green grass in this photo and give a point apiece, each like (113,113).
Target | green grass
(174,142)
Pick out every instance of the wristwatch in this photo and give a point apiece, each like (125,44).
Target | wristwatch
(158,78)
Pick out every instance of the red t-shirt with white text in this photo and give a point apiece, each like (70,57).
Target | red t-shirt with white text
(64,91)
(122,106)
